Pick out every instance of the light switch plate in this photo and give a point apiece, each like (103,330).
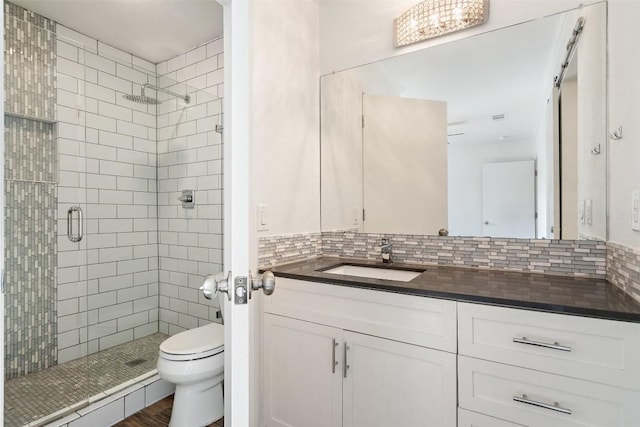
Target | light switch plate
(262,217)
(588,211)
(635,210)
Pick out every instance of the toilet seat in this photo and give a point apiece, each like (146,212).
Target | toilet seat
(197,343)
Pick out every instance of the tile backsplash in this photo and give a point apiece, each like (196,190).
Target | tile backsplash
(572,257)
(569,257)
(623,268)
(276,250)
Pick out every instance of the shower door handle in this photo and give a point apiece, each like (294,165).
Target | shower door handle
(70,234)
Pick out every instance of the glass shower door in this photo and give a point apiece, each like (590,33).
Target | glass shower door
(45,360)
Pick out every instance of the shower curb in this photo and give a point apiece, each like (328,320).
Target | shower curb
(112,406)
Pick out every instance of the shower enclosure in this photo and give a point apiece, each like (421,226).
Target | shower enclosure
(102,260)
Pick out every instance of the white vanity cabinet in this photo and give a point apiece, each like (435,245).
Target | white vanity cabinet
(544,369)
(361,366)
(343,356)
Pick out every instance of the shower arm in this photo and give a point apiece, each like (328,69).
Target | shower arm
(186,98)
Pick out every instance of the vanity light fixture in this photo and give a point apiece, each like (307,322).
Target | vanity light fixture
(433,18)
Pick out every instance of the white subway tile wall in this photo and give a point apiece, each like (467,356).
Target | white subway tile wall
(189,158)
(108,283)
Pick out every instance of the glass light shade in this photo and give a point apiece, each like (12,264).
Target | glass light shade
(433,18)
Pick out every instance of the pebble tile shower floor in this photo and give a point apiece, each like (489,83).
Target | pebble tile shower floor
(31,397)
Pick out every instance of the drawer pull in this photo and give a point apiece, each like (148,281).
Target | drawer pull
(555,407)
(554,346)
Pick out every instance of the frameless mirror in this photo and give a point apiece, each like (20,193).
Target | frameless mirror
(472,137)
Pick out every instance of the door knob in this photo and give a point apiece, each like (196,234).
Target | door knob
(217,283)
(486,223)
(266,281)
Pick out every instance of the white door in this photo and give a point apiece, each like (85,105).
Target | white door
(508,199)
(237,381)
(302,373)
(389,383)
(404,165)
(569,161)
(553,206)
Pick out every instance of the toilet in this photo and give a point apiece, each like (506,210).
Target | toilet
(193,360)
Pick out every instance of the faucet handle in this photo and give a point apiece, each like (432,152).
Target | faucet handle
(387,250)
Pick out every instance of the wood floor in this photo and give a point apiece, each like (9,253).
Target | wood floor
(156,415)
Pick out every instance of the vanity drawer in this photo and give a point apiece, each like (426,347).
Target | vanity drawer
(544,399)
(416,320)
(597,350)
(474,419)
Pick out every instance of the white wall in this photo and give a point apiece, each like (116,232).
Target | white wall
(624,110)
(341,156)
(190,158)
(284,137)
(285,115)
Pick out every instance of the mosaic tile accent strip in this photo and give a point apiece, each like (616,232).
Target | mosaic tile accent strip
(11,9)
(30,150)
(568,257)
(623,268)
(276,250)
(30,263)
(30,192)
(30,56)
(33,396)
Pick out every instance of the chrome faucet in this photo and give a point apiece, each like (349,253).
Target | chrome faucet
(387,251)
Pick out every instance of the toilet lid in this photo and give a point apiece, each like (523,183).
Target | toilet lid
(195,341)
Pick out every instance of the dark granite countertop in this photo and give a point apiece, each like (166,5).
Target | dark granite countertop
(553,293)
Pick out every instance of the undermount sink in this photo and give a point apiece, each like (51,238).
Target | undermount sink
(375,272)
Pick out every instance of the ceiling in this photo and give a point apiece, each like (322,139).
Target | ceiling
(154,30)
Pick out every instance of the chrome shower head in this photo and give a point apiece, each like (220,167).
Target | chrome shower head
(141,99)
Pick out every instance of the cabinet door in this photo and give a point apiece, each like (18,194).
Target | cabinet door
(535,398)
(474,419)
(389,383)
(302,386)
